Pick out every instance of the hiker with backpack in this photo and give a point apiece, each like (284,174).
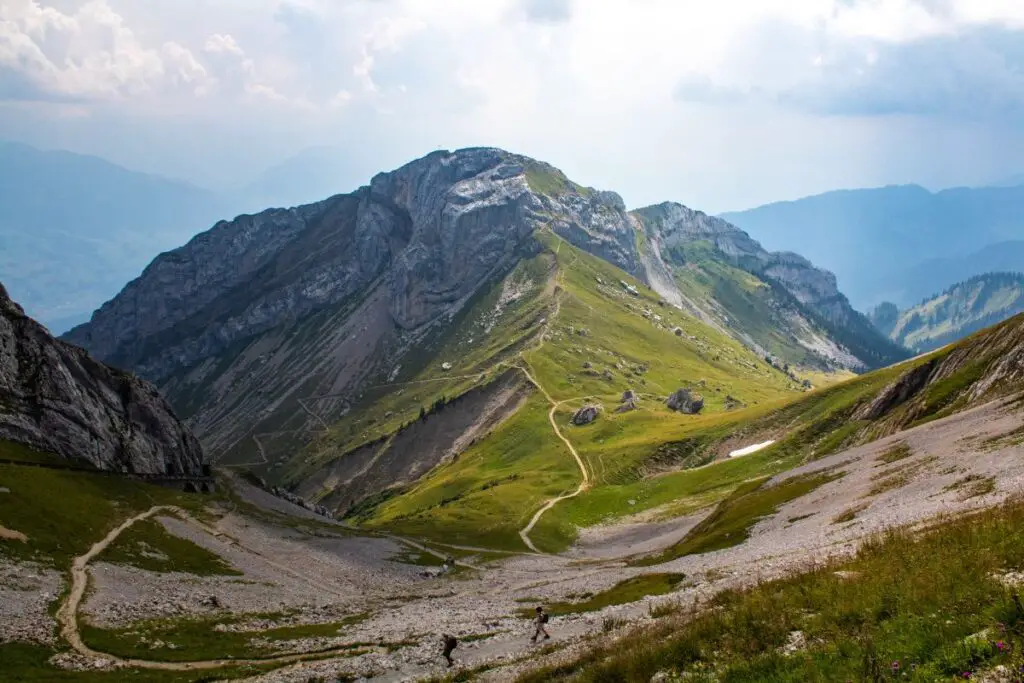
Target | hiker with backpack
(450,643)
(539,621)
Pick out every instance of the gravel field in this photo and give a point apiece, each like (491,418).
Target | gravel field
(26,591)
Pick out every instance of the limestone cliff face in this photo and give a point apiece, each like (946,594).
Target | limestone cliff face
(674,225)
(55,398)
(824,320)
(434,230)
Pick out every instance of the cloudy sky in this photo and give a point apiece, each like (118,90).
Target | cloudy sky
(721,105)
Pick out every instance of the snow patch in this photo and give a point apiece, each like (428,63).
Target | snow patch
(754,448)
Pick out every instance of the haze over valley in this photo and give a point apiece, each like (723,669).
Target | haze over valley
(406,341)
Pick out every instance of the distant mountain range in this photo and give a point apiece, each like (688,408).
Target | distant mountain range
(960,310)
(75,228)
(899,243)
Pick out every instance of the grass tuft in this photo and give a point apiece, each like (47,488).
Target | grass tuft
(897,451)
(850,514)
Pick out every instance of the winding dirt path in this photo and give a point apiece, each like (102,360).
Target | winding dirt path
(524,533)
(67,614)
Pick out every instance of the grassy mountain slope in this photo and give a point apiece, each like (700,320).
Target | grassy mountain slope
(600,341)
(651,459)
(778,303)
(955,313)
(752,308)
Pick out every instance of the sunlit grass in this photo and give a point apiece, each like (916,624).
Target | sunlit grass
(925,608)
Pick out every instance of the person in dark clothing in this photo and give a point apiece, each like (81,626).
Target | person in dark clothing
(538,622)
(450,643)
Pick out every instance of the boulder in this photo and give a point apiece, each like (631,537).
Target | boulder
(628,395)
(585,415)
(685,402)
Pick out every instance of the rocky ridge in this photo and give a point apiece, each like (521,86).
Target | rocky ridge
(55,398)
(819,316)
(960,310)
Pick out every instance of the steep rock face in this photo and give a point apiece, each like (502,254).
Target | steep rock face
(436,227)
(468,213)
(986,365)
(55,398)
(676,225)
(823,321)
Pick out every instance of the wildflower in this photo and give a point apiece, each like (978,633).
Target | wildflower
(895,666)
(967,674)
(1000,645)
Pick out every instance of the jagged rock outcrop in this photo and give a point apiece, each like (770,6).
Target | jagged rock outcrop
(905,387)
(809,303)
(585,415)
(685,402)
(987,365)
(54,397)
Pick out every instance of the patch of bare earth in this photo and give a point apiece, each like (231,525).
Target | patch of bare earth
(26,591)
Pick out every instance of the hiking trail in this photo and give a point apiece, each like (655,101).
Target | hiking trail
(524,533)
(67,614)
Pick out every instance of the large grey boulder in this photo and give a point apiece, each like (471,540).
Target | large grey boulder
(685,402)
(585,415)
(54,397)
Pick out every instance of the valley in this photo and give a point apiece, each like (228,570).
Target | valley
(256,583)
(470,388)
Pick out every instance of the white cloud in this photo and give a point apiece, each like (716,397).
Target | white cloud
(569,79)
(90,53)
(223,43)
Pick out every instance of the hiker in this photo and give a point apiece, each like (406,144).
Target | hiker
(538,622)
(450,643)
